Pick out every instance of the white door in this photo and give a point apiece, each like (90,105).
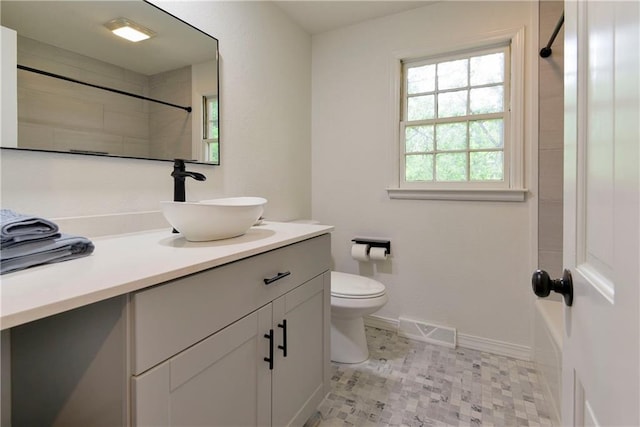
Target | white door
(600,384)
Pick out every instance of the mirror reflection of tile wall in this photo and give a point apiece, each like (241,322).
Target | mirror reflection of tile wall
(170,129)
(58,115)
(550,140)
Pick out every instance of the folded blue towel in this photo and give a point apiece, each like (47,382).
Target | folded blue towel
(44,251)
(16,228)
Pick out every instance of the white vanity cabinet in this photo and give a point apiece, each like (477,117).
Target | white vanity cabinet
(140,348)
(222,348)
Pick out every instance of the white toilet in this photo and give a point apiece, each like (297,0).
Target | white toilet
(352,298)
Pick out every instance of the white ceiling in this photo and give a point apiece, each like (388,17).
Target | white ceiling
(78,26)
(33,19)
(317,16)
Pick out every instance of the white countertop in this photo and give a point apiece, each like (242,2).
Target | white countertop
(126,263)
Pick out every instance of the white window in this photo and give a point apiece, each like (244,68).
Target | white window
(210,129)
(459,130)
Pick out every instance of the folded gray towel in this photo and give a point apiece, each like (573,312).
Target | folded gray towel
(44,251)
(16,228)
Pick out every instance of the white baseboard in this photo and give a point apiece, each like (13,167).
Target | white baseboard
(381,323)
(488,345)
(500,348)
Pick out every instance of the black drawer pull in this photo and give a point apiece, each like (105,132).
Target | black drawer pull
(276,277)
(283,347)
(269,359)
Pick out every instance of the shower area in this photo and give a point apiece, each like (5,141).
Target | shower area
(548,321)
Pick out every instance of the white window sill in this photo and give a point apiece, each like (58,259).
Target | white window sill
(494,195)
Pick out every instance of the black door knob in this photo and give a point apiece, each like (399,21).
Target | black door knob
(542,285)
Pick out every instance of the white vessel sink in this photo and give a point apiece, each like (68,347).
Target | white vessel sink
(214,219)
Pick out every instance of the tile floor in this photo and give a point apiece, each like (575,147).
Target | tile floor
(412,383)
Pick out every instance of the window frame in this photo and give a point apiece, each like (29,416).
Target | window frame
(466,119)
(206,119)
(509,189)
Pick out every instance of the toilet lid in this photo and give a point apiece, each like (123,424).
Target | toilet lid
(346,285)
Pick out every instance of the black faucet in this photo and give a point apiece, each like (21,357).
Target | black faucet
(179,174)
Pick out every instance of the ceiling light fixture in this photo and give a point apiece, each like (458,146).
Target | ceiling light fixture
(129,30)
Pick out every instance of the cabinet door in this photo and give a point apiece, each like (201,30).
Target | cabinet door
(300,378)
(221,381)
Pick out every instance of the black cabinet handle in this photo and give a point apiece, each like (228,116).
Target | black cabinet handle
(542,285)
(283,347)
(276,277)
(269,359)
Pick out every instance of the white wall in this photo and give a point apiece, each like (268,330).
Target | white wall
(265,131)
(461,264)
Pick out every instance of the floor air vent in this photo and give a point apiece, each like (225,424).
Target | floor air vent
(434,334)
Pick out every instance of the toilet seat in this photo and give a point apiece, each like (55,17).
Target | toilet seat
(344,285)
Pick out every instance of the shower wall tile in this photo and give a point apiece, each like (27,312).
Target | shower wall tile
(74,140)
(550,231)
(550,139)
(170,129)
(552,112)
(38,82)
(46,108)
(551,174)
(114,100)
(551,74)
(34,136)
(129,124)
(52,56)
(551,262)
(136,147)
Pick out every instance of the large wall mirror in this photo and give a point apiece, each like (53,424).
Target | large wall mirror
(82,89)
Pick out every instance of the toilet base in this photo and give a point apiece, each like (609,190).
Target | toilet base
(348,341)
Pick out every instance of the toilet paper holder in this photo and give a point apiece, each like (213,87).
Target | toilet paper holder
(373,243)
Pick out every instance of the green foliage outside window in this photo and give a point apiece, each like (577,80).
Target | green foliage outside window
(211,129)
(454,118)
